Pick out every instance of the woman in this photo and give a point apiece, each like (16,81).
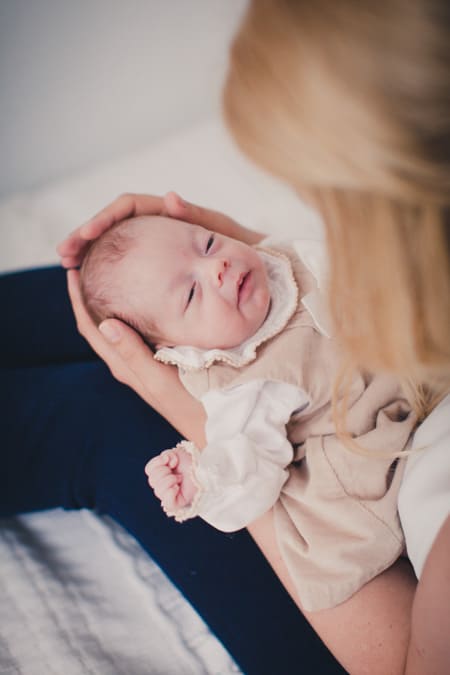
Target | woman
(349,102)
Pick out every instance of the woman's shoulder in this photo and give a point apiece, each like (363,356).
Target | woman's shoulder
(424,498)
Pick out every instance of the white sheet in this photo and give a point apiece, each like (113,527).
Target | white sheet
(77,594)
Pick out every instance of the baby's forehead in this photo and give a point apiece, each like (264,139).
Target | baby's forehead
(164,232)
(157,246)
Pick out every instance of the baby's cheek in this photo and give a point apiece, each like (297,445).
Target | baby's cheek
(262,299)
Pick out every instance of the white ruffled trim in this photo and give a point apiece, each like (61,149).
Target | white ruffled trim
(190,511)
(284,298)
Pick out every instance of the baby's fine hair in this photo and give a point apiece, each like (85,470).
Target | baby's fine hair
(102,295)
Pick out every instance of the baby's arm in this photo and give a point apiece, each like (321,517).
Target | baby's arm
(239,473)
(170,477)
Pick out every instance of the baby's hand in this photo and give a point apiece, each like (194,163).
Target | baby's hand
(169,475)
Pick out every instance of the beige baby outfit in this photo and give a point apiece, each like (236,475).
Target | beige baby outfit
(335,511)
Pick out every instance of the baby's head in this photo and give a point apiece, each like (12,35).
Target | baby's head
(176,283)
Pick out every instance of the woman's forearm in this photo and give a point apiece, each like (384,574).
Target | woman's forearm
(429,649)
(369,633)
(185,413)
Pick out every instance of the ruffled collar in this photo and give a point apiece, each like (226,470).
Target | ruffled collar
(284,298)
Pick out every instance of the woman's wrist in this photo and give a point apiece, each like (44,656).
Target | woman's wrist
(188,416)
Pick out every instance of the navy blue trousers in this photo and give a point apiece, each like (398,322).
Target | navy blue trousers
(73,437)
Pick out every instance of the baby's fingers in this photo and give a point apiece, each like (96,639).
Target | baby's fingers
(170,458)
(165,484)
(154,463)
(157,475)
(169,503)
(166,458)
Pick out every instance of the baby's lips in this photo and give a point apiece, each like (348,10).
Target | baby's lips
(239,281)
(242,282)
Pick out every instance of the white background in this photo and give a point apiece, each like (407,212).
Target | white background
(83,82)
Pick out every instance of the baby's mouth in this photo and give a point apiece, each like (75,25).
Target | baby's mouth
(242,285)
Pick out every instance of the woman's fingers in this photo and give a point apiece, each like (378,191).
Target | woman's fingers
(179,208)
(126,206)
(86,327)
(73,248)
(176,207)
(157,379)
(103,347)
(70,261)
(85,324)
(113,340)
(130,348)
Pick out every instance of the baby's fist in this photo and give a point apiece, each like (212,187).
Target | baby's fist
(169,475)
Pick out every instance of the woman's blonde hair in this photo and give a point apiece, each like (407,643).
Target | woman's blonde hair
(349,102)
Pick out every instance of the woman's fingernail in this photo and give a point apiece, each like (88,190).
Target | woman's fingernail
(111,333)
(181,201)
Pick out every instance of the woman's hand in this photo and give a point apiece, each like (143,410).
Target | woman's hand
(73,248)
(131,362)
(128,358)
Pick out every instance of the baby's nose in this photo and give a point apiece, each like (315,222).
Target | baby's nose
(219,268)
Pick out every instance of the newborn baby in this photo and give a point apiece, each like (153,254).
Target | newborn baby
(248,329)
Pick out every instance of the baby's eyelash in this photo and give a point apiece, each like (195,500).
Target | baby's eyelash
(209,243)
(191,295)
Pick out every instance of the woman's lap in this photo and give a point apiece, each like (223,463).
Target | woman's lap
(74,437)
(38,326)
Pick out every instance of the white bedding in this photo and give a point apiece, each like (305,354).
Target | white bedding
(77,595)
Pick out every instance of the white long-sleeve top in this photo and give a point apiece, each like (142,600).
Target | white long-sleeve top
(242,469)
(424,497)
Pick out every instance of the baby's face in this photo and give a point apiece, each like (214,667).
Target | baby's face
(200,288)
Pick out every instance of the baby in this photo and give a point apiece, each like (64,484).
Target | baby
(248,329)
